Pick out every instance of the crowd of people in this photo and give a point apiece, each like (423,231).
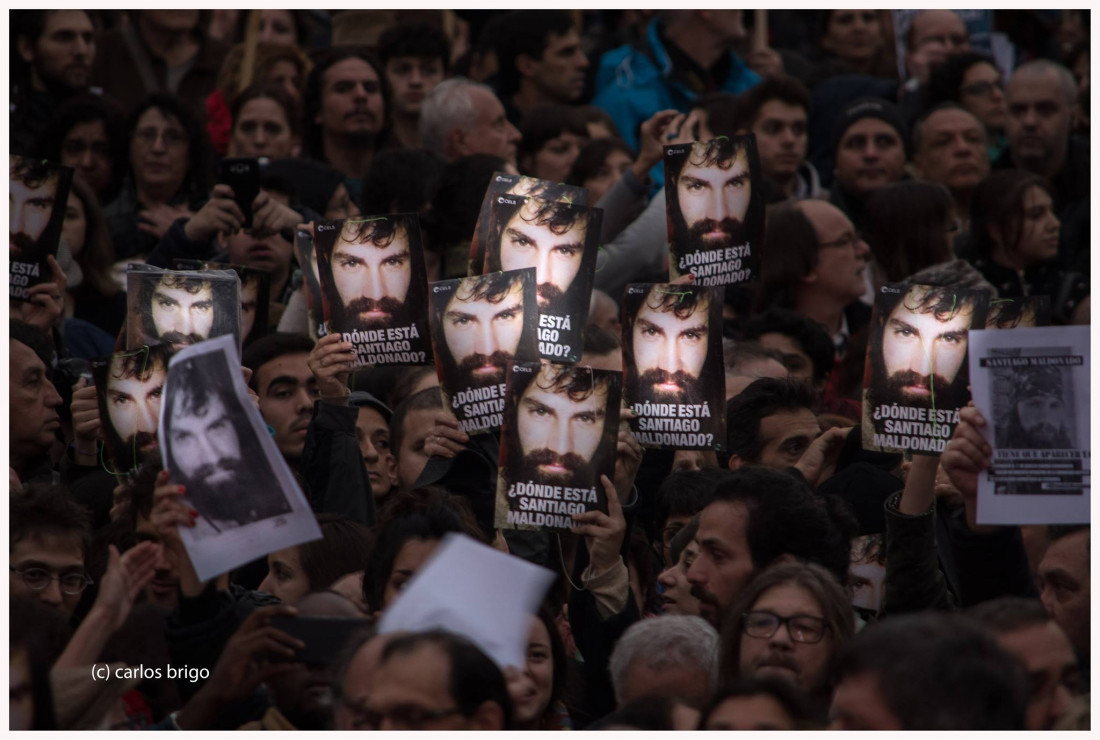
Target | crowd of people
(789,579)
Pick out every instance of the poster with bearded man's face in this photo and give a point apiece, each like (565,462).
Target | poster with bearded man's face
(38,194)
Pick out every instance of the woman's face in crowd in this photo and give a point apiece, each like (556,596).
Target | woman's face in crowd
(531,689)
(262,130)
(159,151)
(853,34)
(340,205)
(556,157)
(285,577)
(613,167)
(982,93)
(409,560)
(286,75)
(75,226)
(1040,229)
(277,26)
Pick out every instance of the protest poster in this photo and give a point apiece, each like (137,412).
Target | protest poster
(216,444)
(561,241)
(915,376)
(129,387)
(1018,313)
(673,369)
(255,295)
(560,434)
(311,282)
(1032,387)
(38,194)
(480,325)
(504,183)
(180,307)
(715,210)
(476,591)
(374,286)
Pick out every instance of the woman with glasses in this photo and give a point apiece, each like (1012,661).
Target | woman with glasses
(973,82)
(793,622)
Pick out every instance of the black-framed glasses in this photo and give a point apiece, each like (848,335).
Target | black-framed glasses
(851,239)
(39,579)
(982,89)
(801,627)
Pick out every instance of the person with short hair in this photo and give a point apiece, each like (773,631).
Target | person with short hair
(932,38)
(33,401)
(806,349)
(415,57)
(669,656)
(409,428)
(461,117)
(763,703)
(1064,576)
(974,82)
(771,423)
(50,538)
(870,147)
(749,361)
(949,148)
(286,388)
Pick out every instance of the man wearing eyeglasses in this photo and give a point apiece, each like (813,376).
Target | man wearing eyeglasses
(49,538)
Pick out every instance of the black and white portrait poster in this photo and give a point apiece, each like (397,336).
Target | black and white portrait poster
(561,241)
(1018,313)
(129,387)
(673,369)
(311,283)
(215,442)
(561,429)
(38,194)
(504,183)
(1032,387)
(715,205)
(480,326)
(181,307)
(915,377)
(255,295)
(374,287)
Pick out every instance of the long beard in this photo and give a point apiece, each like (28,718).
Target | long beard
(732,228)
(579,472)
(553,295)
(942,395)
(691,387)
(221,500)
(396,313)
(466,374)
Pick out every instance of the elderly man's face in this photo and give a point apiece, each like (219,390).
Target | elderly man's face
(1039,117)
(30,208)
(32,403)
(557,435)
(181,317)
(556,257)
(482,336)
(922,354)
(953,150)
(205,447)
(669,350)
(133,403)
(372,281)
(491,133)
(714,200)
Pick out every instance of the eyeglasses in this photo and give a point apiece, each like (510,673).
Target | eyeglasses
(39,579)
(851,239)
(149,136)
(400,717)
(982,89)
(801,628)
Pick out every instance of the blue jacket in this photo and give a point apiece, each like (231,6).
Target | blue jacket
(635,81)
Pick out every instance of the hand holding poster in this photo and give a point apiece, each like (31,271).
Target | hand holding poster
(129,387)
(1032,388)
(674,380)
(37,193)
(715,205)
(915,376)
(504,183)
(480,326)
(560,434)
(214,442)
(561,241)
(374,286)
(180,308)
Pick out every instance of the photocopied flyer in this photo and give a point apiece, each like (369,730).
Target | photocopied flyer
(1032,387)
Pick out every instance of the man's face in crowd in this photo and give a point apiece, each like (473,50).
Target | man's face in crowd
(799,663)
(373,434)
(953,150)
(181,318)
(870,155)
(1039,118)
(249,298)
(163,589)
(287,390)
(781,139)
(410,80)
(859,705)
(63,55)
(922,355)
(1052,671)
(676,596)
(159,151)
(556,257)
(262,130)
(60,556)
(30,208)
(351,100)
(87,149)
(795,359)
(786,436)
(483,336)
(755,712)
(205,446)
(714,200)
(724,564)
(670,351)
(1042,418)
(557,435)
(410,457)
(1065,587)
(133,402)
(32,404)
(842,255)
(560,72)
(492,133)
(373,281)
(941,27)
(982,93)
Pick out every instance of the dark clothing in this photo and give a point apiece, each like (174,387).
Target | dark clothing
(106,312)
(1065,288)
(121,215)
(332,465)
